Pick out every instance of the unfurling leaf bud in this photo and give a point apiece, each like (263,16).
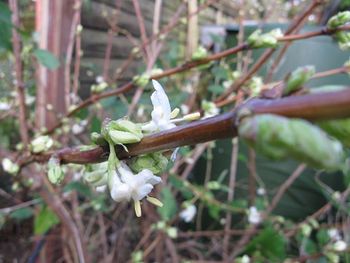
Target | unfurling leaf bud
(298,78)
(339,129)
(339,19)
(280,138)
(55,172)
(155,162)
(266,40)
(41,144)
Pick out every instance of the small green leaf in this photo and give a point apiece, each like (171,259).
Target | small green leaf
(46,58)
(22,213)
(169,208)
(270,243)
(79,187)
(216,89)
(44,221)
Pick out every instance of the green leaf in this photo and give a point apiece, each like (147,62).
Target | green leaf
(216,89)
(22,213)
(179,185)
(5,13)
(270,243)
(46,58)
(44,221)
(79,187)
(169,209)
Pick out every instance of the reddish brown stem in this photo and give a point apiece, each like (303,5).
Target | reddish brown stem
(312,107)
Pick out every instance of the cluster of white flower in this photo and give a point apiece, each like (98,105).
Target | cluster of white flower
(122,182)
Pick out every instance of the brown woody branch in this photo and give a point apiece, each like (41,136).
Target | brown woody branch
(312,107)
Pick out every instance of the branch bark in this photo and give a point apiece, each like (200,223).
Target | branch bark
(313,107)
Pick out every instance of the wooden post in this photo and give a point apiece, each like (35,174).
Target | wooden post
(192,28)
(53,23)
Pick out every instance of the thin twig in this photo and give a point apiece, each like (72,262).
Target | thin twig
(230,195)
(69,52)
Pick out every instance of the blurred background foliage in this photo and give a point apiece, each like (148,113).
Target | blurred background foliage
(200,175)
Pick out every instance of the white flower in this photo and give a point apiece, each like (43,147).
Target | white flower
(124,186)
(339,246)
(9,166)
(261,191)
(101,188)
(161,114)
(245,259)
(41,144)
(188,213)
(333,233)
(254,216)
(99,79)
(4,106)
(78,128)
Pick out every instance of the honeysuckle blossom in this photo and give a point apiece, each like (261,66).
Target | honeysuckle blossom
(254,216)
(124,186)
(161,114)
(188,213)
(340,246)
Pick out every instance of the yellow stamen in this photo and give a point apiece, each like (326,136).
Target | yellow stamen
(154,201)
(174,113)
(137,206)
(192,116)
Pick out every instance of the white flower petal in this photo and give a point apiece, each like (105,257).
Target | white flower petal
(159,98)
(121,193)
(188,214)
(142,192)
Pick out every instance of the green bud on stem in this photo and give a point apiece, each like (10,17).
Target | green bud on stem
(339,19)
(55,172)
(298,78)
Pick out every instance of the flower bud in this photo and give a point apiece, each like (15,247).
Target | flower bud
(97,174)
(9,166)
(280,138)
(200,53)
(97,139)
(98,88)
(339,19)
(55,172)
(267,40)
(41,144)
(155,162)
(343,39)
(123,131)
(142,80)
(298,78)
(210,109)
